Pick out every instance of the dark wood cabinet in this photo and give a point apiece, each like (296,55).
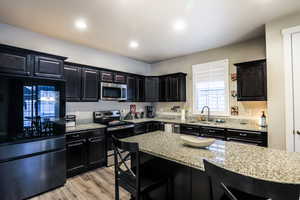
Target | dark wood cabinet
(131,89)
(151,89)
(48,67)
(96,151)
(119,78)
(140,89)
(90,85)
(252,81)
(219,133)
(76,156)
(15,62)
(248,137)
(163,89)
(73,82)
(107,76)
(190,129)
(85,150)
(172,88)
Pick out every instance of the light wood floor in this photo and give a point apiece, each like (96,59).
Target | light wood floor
(93,185)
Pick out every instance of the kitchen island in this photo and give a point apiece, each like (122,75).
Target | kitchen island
(186,164)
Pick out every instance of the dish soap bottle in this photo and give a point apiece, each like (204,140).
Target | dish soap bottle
(263,120)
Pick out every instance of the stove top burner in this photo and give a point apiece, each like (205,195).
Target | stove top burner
(112,119)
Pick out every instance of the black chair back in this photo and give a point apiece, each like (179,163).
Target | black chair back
(124,176)
(229,185)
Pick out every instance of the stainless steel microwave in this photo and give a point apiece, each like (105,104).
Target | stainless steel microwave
(113,92)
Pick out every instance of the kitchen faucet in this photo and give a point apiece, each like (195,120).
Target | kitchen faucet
(208,112)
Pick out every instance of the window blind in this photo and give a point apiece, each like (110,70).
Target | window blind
(210,87)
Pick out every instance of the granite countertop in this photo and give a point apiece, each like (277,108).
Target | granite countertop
(259,162)
(233,125)
(83,127)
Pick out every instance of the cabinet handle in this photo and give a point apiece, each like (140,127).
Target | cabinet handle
(91,72)
(240,131)
(95,139)
(70,69)
(78,143)
(243,134)
(298,132)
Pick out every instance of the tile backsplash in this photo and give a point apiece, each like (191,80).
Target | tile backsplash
(84,110)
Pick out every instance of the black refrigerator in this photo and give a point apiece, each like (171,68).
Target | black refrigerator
(32,137)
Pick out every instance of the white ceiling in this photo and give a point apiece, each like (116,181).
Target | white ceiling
(113,23)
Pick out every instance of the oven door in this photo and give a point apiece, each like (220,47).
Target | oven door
(113,92)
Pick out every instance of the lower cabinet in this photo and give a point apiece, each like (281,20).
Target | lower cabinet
(85,150)
(96,151)
(147,127)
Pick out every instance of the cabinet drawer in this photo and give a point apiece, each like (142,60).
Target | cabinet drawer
(96,133)
(218,133)
(190,130)
(245,134)
(70,137)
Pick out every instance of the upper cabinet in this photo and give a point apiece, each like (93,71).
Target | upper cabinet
(151,89)
(48,67)
(23,62)
(107,76)
(119,78)
(252,81)
(140,89)
(90,85)
(15,62)
(115,77)
(73,82)
(131,88)
(172,88)
(82,83)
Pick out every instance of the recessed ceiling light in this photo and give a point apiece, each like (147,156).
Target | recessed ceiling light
(80,24)
(133,44)
(179,25)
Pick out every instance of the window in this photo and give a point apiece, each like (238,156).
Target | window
(210,87)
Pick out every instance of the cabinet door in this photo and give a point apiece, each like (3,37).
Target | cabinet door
(15,63)
(76,157)
(140,89)
(107,76)
(140,128)
(73,82)
(131,88)
(173,89)
(163,88)
(119,78)
(90,85)
(97,151)
(252,81)
(152,89)
(48,67)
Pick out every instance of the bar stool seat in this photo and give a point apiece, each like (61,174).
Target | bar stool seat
(228,185)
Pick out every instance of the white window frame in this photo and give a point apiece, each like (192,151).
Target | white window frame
(225,63)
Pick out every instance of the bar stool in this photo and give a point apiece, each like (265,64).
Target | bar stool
(227,185)
(130,179)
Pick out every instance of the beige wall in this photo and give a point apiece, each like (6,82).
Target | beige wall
(241,52)
(274,47)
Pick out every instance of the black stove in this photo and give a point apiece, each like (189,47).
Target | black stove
(115,127)
(112,119)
